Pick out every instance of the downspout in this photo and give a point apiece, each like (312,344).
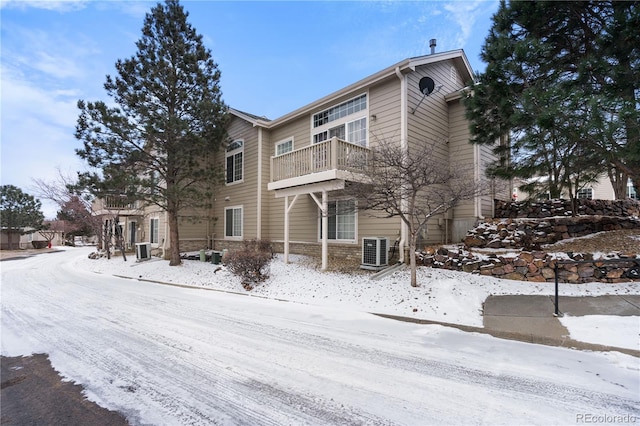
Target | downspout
(477,205)
(405,147)
(259,195)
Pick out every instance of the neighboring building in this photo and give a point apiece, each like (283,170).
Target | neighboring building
(38,240)
(280,174)
(124,217)
(6,235)
(601,189)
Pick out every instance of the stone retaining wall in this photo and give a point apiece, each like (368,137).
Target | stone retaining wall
(532,233)
(550,208)
(536,266)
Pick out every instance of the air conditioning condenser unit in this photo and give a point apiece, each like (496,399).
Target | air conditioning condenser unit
(375,252)
(143,251)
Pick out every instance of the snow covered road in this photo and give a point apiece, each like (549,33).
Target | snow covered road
(166,355)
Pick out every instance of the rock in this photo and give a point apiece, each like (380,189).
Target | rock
(474,241)
(514,276)
(615,273)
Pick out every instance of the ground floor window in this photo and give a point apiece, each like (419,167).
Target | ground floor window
(631,190)
(342,220)
(233,222)
(154,230)
(586,193)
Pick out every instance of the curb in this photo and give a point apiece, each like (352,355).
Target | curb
(521,337)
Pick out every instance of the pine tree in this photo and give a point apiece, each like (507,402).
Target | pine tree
(561,84)
(157,145)
(18,212)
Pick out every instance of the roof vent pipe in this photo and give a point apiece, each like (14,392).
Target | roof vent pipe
(432,45)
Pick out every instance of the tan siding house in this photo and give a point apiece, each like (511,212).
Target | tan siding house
(284,178)
(296,166)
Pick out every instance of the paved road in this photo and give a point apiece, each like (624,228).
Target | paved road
(166,355)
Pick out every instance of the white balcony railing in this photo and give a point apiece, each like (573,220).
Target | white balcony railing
(332,154)
(117,203)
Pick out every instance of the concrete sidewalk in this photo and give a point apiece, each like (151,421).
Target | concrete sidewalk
(532,317)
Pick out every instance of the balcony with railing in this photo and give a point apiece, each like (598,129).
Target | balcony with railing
(327,160)
(115,204)
(118,203)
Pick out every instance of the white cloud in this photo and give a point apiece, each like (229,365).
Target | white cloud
(57,5)
(136,9)
(463,14)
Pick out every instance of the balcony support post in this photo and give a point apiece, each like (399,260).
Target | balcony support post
(287,209)
(325,230)
(324,212)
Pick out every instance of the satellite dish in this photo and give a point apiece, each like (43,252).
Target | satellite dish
(426,85)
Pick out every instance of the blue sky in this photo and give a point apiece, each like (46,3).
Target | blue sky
(274,58)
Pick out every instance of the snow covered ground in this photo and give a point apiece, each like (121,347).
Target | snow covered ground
(167,355)
(446,296)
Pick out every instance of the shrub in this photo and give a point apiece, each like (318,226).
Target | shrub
(251,263)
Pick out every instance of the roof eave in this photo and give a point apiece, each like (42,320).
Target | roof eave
(403,67)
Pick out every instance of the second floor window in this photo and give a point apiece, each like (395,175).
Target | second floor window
(342,122)
(234,161)
(284,147)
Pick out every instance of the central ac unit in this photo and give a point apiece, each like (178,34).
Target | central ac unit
(374,251)
(143,251)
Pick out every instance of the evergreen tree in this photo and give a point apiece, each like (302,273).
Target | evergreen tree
(18,211)
(157,145)
(562,86)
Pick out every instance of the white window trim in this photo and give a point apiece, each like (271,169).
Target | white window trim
(157,243)
(235,237)
(282,142)
(344,120)
(355,224)
(585,190)
(233,154)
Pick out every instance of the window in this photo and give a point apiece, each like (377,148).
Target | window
(357,132)
(342,220)
(339,122)
(585,193)
(339,111)
(154,230)
(234,161)
(233,222)
(132,234)
(631,190)
(284,147)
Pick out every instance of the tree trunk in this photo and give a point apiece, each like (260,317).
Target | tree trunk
(10,238)
(174,238)
(412,260)
(619,183)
